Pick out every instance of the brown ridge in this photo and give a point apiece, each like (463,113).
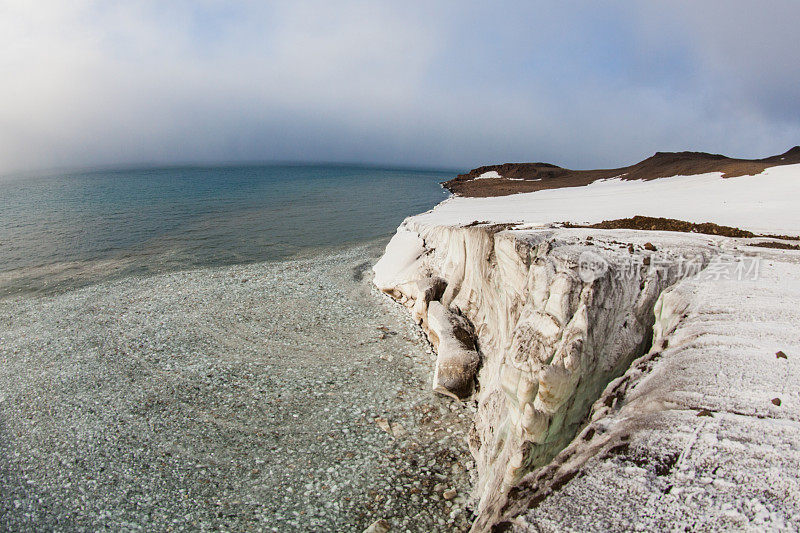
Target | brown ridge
(529,177)
(640,222)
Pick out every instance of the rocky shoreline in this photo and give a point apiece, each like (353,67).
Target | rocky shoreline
(269,397)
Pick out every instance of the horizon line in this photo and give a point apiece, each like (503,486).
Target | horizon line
(131,166)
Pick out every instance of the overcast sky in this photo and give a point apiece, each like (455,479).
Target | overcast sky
(451,84)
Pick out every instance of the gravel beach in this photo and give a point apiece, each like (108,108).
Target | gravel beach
(284,396)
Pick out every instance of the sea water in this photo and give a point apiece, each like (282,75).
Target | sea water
(61,230)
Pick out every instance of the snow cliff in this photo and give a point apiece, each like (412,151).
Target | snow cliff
(536,324)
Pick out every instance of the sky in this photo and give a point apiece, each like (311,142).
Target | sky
(452,84)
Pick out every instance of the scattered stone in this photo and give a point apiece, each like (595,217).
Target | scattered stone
(379,526)
(780,355)
(398,430)
(649,246)
(704,412)
(449,494)
(776,401)
(169,358)
(384,424)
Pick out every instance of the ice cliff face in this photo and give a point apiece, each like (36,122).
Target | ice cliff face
(702,431)
(531,323)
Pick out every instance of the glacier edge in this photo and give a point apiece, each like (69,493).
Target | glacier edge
(550,334)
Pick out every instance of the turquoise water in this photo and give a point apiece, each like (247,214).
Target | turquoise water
(63,230)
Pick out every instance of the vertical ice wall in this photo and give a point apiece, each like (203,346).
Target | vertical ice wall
(533,324)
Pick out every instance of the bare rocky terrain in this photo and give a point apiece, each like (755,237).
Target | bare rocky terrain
(269,397)
(529,177)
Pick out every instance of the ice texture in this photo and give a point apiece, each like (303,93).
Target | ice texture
(598,349)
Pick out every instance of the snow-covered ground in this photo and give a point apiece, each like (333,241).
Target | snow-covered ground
(767,202)
(492,174)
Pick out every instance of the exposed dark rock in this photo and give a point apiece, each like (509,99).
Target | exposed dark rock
(529,177)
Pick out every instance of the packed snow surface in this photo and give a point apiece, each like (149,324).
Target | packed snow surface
(492,174)
(766,202)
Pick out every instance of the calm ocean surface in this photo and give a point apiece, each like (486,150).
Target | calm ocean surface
(59,231)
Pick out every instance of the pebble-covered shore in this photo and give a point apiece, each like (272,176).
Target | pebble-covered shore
(269,397)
